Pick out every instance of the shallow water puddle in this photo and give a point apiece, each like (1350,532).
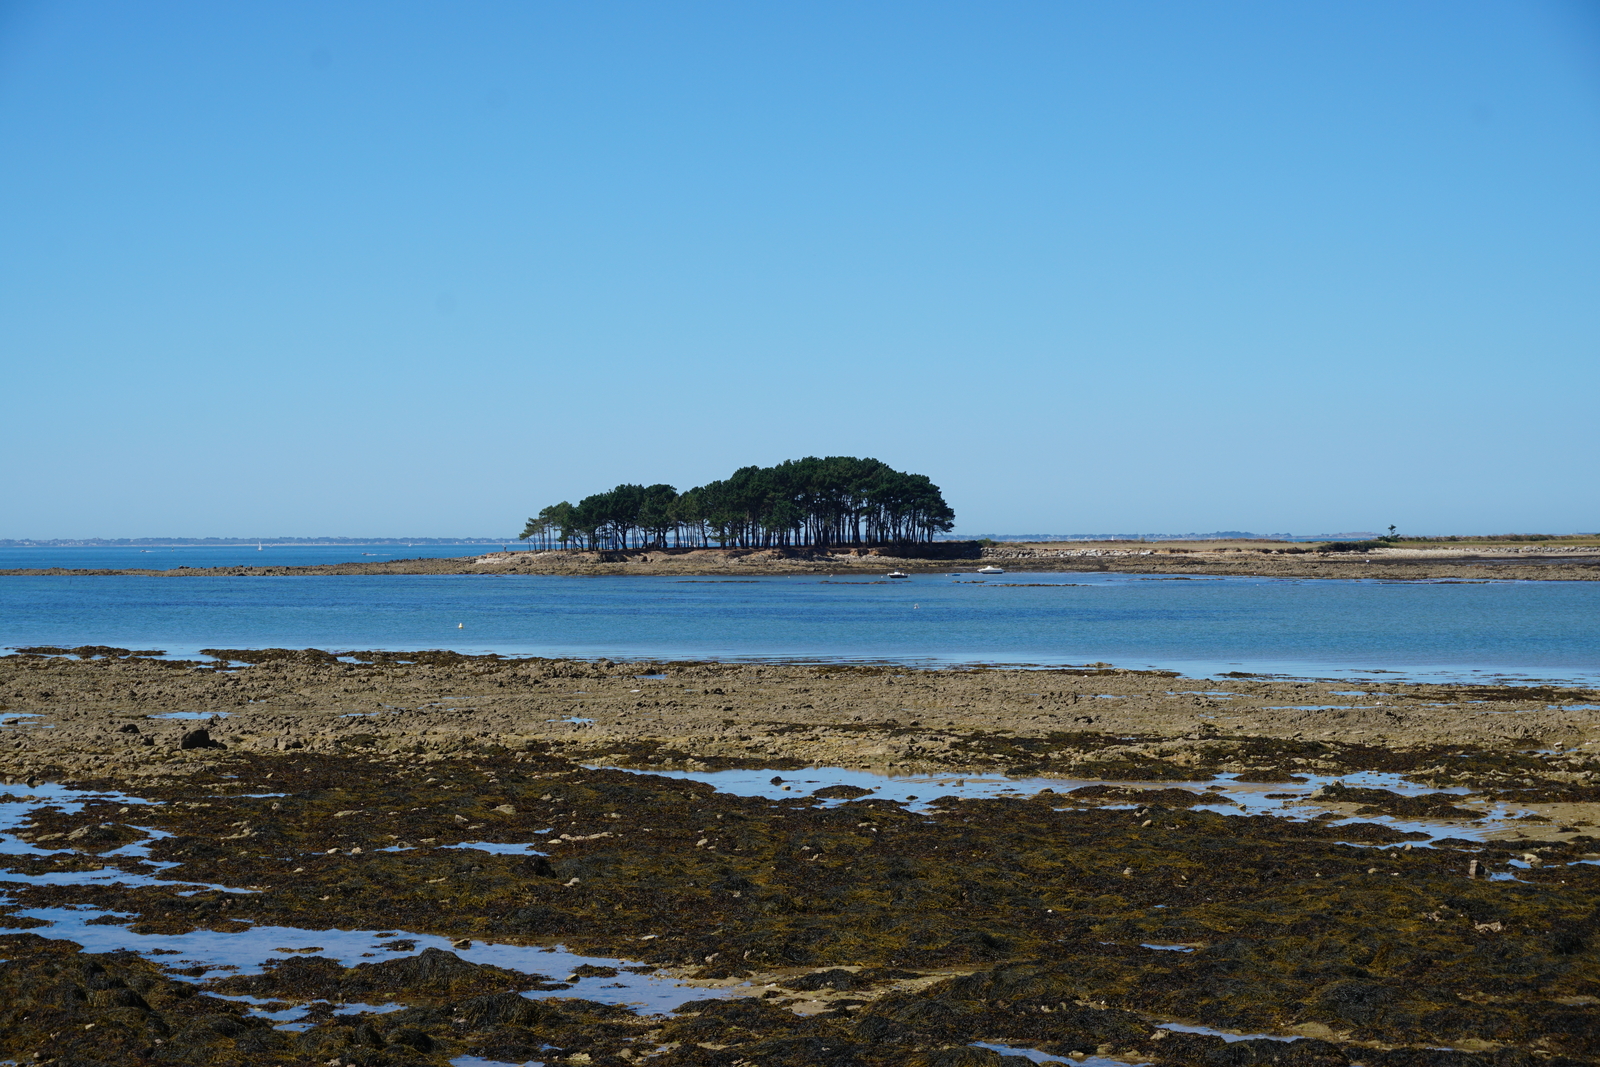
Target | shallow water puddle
(495,847)
(246,951)
(14,811)
(1321,707)
(1290,800)
(1044,1057)
(916,791)
(1186,1028)
(294,1018)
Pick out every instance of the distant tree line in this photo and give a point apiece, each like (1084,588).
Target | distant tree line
(839,500)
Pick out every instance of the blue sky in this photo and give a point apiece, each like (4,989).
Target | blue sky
(419,269)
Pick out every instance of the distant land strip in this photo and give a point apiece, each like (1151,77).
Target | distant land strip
(1030,538)
(204,542)
(1569,559)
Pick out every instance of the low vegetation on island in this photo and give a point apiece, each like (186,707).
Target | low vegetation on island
(838,500)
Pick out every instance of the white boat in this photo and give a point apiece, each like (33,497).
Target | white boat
(898,574)
(991,570)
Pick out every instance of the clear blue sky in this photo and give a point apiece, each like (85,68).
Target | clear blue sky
(419,269)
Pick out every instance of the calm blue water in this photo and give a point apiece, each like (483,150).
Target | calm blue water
(121,557)
(1200,627)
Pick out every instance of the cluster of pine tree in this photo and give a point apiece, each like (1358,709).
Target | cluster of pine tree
(836,501)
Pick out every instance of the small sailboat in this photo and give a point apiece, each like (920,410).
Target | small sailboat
(898,574)
(991,570)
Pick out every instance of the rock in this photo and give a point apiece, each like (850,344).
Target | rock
(506,809)
(840,792)
(93,834)
(200,738)
(835,978)
(412,1037)
(967,1056)
(500,1009)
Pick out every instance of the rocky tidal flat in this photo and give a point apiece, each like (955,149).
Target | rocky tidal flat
(375,858)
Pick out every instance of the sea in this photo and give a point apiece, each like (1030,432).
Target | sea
(1201,626)
(171,557)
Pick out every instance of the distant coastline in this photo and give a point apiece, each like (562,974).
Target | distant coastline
(1567,559)
(1215,535)
(1005,538)
(202,542)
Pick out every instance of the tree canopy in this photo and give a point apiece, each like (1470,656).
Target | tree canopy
(837,500)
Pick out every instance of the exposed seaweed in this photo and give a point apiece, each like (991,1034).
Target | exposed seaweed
(851,928)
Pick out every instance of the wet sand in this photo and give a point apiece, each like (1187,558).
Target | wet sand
(1393,874)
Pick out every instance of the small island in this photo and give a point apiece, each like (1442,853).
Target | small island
(837,501)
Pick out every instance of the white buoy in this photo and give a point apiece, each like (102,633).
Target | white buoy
(461,626)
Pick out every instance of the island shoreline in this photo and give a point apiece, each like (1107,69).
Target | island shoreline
(1242,559)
